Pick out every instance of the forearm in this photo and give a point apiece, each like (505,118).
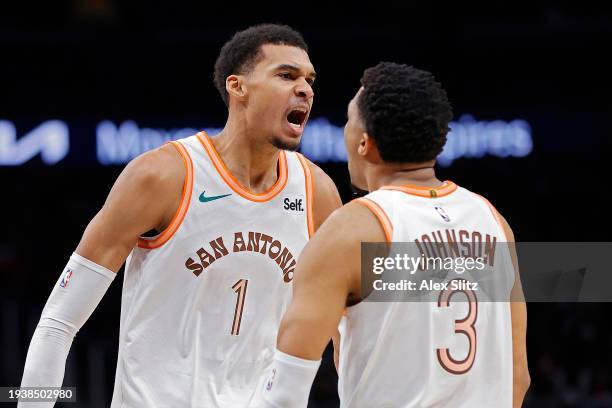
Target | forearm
(46,360)
(520,384)
(47,354)
(521,379)
(304,335)
(74,297)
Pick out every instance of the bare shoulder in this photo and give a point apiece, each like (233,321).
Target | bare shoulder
(322,181)
(352,224)
(506,227)
(157,167)
(145,196)
(500,218)
(503,223)
(149,189)
(325,195)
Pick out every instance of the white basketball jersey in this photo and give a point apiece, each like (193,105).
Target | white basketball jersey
(451,353)
(203,300)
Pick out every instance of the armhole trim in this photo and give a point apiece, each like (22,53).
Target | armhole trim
(309,181)
(179,215)
(385,223)
(495,215)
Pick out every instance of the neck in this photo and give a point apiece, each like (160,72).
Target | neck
(416,174)
(251,160)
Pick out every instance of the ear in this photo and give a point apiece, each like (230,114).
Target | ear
(235,86)
(367,148)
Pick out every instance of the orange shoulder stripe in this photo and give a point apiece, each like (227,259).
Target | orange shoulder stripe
(309,193)
(495,214)
(164,236)
(385,223)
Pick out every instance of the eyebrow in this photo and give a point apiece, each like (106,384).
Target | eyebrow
(290,67)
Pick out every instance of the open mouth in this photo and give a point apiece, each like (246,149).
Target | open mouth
(297,117)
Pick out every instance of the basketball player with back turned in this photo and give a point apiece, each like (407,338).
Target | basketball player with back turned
(202,299)
(449,353)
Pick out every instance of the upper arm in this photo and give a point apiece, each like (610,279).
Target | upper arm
(325,195)
(517,298)
(517,290)
(144,197)
(328,274)
(518,311)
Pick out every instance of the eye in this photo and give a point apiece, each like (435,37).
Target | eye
(310,81)
(285,75)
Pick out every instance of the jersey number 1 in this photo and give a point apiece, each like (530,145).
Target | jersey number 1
(464,326)
(240,288)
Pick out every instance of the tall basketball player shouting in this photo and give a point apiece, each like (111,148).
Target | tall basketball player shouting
(203,298)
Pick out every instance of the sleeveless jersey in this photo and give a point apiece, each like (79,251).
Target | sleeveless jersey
(202,301)
(451,353)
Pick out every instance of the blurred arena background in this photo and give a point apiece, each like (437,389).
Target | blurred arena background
(86,85)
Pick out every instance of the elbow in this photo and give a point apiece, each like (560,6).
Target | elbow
(526,381)
(522,380)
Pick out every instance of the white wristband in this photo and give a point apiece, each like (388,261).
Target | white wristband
(288,381)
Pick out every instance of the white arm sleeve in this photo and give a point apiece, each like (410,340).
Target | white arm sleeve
(76,294)
(287,382)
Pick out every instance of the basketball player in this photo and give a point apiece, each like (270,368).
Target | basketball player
(390,354)
(203,298)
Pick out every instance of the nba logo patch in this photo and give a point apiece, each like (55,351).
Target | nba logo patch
(271,380)
(66,278)
(442,213)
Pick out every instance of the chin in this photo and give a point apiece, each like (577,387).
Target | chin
(285,143)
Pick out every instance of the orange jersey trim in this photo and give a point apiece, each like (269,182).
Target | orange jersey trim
(385,223)
(429,192)
(309,181)
(179,216)
(496,215)
(234,184)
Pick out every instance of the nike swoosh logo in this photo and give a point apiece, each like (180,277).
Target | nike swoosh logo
(205,199)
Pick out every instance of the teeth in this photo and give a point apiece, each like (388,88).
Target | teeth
(293,125)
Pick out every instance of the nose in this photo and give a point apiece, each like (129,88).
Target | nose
(304,90)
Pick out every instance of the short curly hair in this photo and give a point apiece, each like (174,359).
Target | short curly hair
(405,111)
(242,52)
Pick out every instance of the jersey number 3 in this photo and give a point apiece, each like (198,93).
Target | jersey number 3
(464,326)
(240,288)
